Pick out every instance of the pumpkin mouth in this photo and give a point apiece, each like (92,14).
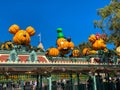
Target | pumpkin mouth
(23,42)
(65,49)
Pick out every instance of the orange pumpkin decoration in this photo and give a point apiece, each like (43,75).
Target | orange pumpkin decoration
(64,51)
(14,29)
(92,38)
(75,53)
(53,52)
(62,43)
(105,50)
(99,44)
(64,46)
(70,45)
(30,30)
(7,45)
(92,52)
(21,36)
(85,51)
(3,46)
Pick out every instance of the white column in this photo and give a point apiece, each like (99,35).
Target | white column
(50,83)
(94,80)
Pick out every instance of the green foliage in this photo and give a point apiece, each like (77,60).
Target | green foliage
(84,45)
(110,21)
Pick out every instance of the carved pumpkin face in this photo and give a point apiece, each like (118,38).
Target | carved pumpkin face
(62,43)
(75,53)
(22,37)
(64,46)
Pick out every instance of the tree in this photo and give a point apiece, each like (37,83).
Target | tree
(110,21)
(83,45)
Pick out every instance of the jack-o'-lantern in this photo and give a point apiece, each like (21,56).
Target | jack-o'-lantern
(75,53)
(62,43)
(21,37)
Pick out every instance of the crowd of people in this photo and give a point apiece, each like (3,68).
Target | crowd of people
(106,83)
(19,85)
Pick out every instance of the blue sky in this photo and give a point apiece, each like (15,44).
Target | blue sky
(75,17)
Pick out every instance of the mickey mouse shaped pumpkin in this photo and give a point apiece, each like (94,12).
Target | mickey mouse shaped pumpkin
(21,37)
(98,42)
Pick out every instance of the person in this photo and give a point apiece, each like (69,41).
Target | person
(24,84)
(62,84)
(34,84)
(111,85)
(90,83)
(117,83)
(4,86)
(0,86)
(58,85)
(98,82)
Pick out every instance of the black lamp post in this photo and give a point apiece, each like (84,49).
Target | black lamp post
(78,81)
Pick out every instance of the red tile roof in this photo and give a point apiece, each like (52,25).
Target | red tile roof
(4,57)
(23,57)
(42,59)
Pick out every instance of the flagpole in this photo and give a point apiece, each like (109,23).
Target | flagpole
(40,38)
(40,43)
(39,35)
